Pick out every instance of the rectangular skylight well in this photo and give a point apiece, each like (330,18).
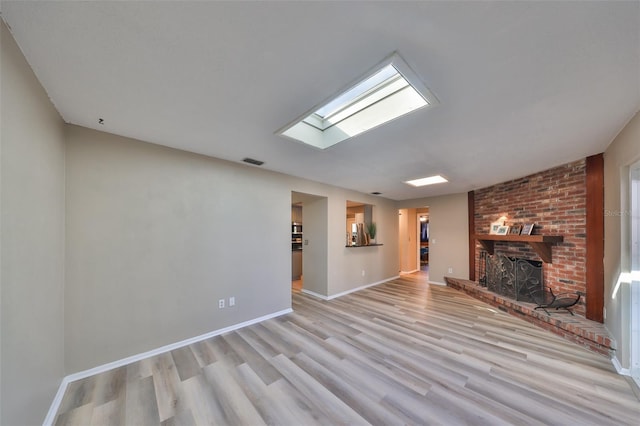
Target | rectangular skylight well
(427,181)
(390,90)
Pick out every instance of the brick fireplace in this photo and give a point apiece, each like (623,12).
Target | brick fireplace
(556,201)
(566,203)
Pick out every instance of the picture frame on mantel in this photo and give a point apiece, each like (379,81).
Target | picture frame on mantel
(495,226)
(502,230)
(527,229)
(515,230)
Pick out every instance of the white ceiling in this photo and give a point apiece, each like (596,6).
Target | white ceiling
(523,86)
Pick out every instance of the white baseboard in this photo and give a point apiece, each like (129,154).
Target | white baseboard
(344,293)
(437,283)
(55,405)
(314,294)
(409,272)
(622,371)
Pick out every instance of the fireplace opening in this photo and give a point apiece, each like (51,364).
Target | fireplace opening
(512,277)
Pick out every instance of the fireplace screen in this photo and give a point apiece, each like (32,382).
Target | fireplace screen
(513,277)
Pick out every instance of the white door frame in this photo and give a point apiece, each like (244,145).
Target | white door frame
(418,241)
(634,186)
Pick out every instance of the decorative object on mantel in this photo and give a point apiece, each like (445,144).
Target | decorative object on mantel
(502,230)
(515,230)
(527,228)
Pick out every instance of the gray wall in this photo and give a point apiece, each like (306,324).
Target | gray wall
(622,153)
(156,236)
(315,255)
(345,265)
(32,227)
(377,262)
(448,235)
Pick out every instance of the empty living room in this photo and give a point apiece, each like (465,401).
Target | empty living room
(465,240)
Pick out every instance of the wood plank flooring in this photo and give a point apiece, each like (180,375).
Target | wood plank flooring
(398,353)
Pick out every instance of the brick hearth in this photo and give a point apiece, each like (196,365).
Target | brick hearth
(590,334)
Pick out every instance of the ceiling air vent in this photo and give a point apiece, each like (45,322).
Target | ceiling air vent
(252,161)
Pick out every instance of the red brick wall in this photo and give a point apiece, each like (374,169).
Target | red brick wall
(555,200)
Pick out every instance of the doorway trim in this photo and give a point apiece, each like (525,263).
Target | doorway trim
(634,303)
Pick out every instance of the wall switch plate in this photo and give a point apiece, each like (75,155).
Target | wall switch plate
(220,303)
(363,272)
(232,301)
(451,270)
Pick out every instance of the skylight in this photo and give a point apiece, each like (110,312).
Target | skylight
(427,181)
(390,90)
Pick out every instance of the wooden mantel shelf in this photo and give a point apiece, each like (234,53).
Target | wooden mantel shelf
(540,243)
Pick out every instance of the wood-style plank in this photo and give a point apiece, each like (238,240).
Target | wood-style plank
(403,352)
(141,406)
(186,363)
(166,384)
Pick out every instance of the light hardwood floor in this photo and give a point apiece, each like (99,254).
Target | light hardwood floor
(398,353)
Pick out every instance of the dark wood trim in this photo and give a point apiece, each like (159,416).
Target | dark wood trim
(471,208)
(595,237)
(540,243)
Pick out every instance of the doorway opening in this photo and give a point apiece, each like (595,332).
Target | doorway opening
(296,246)
(423,238)
(309,243)
(413,240)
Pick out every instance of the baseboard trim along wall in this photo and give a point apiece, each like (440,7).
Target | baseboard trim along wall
(437,283)
(344,293)
(314,294)
(622,371)
(55,405)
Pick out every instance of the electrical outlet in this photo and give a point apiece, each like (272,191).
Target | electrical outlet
(221,303)
(451,270)
(232,301)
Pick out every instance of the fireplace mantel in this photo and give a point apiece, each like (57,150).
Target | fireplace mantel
(540,243)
